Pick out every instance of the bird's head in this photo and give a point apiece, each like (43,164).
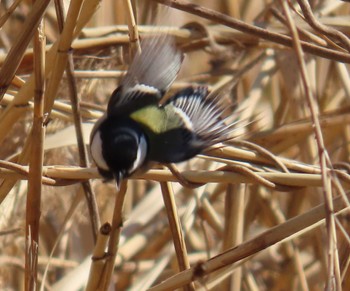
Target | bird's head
(118,147)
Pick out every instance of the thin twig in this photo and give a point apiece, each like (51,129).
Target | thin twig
(323,29)
(16,53)
(333,267)
(264,240)
(62,49)
(8,12)
(83,156)
(253,30)
(133,29)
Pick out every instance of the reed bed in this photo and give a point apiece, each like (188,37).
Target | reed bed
(268,210)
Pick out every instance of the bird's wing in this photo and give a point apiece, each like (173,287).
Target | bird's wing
(193,121)
(150,74)
(202,114)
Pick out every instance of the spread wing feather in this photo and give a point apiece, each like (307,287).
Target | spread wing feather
(204,116)
(150,74)
(157,66)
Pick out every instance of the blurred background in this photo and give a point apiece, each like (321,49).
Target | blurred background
(260,189)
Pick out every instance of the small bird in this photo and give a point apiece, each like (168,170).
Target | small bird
(137,130)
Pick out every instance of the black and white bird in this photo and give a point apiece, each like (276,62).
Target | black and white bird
(137,130)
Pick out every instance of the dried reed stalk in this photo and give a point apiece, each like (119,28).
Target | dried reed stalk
(333,268)
(77,117)
(15,56)
(276,234)
(175,227)
(245,215)
(35,164)
(254,30)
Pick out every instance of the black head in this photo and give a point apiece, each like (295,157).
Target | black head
(118,147)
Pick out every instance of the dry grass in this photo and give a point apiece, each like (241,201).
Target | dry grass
(266,211)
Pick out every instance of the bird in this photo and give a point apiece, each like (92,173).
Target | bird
(138,130)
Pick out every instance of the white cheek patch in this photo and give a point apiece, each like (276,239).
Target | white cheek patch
(141,154)
(96,152)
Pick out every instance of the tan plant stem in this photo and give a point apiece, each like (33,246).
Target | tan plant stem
(264,240)
(333,267)
(17,51)
(176,230)
(221,18)
(113,245)
(35,164)
(98,258)
(83,155)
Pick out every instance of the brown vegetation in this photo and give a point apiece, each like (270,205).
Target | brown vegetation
(271,212)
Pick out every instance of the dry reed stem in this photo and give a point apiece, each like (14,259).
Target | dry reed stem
(233,229)
(16,53)
(8,184)
(117,214)
(96,74)
(132,28)
(333,267)
(176,229)
(302,127)
(268,84)
(77,118)
(98,257)
(314,38)
(274,235)
(149,278)
(113,244)
(61,53)
(9,12)
(66,224)
(264,153)
(13,112)
(88,10)
(76,174)
(254,30)
(33,207)
(207,212)
(60,110)
(111,35)
(323,29)
(289,247)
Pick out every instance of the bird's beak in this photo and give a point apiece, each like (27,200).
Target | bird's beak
(118,178)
